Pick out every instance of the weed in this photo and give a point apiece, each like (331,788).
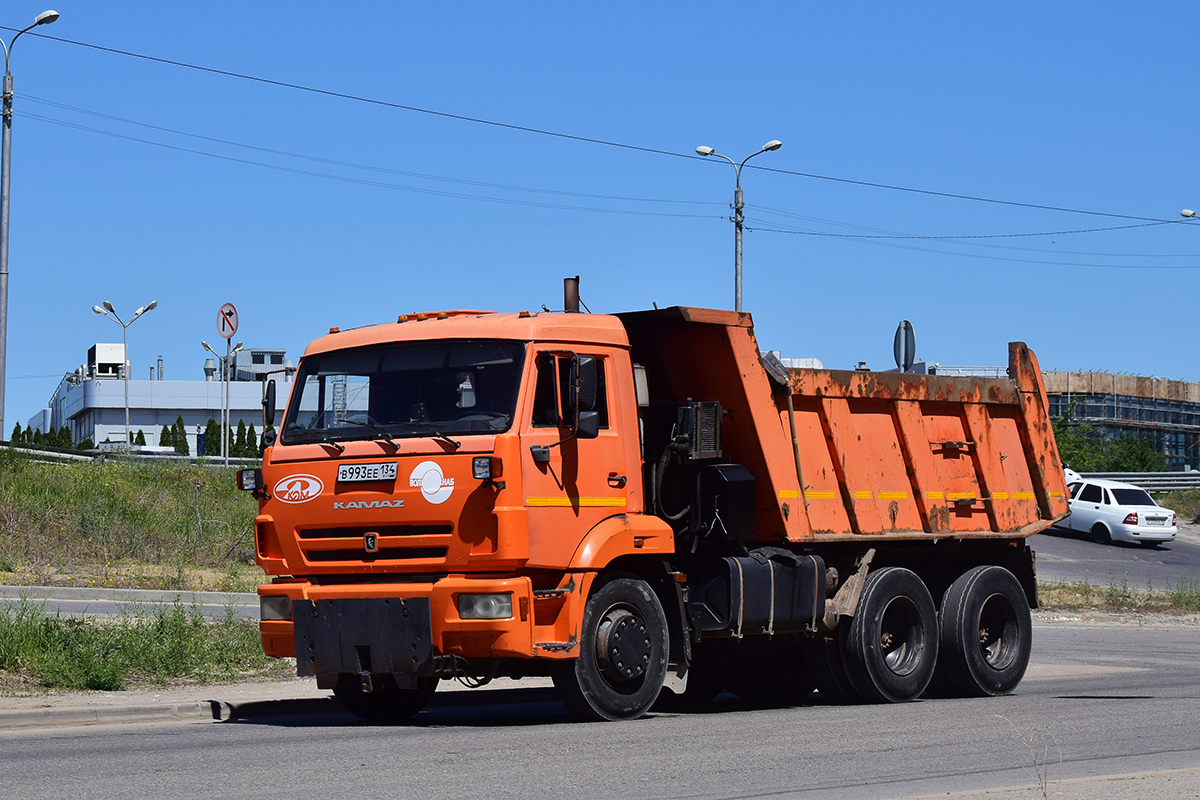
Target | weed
(1040,768)
(1119,594)
(1185,595)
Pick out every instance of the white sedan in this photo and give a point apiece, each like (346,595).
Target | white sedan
(1112,511)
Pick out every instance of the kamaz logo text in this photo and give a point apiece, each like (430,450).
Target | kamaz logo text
(298,488)
(371,504)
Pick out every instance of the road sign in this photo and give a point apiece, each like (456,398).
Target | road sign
(905,346)
(227,321)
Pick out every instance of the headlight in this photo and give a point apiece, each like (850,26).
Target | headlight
(485,606)
(486,467)
(275,607)
(249,480)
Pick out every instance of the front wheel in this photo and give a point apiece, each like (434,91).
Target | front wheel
(387,702)
(622,654)
(892,642)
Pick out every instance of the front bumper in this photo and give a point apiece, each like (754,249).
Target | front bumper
(371,616)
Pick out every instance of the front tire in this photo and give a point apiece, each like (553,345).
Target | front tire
(892,643)
(622,654)
(986,634)
(387,703)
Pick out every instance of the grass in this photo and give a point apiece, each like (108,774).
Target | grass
(124,525)
(167,645)
(1116,595)
(1184,502)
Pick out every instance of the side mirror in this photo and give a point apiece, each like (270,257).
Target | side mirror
(268,404)
(589,425)
(582,370)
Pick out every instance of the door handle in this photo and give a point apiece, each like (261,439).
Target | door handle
(616,481)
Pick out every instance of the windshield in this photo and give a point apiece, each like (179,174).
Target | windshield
(1132,497)
(405,390)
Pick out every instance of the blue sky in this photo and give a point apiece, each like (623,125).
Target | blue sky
(1084,106)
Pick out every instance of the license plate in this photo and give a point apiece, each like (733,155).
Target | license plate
(354,473)
(1159,521)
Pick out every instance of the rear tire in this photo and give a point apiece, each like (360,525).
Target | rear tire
(387,703)
(825,655)
(622,654)
(1100,534)
(892,643)
(986,635)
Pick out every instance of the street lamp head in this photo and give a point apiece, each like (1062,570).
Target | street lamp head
(704,150)
(1187,212)
(46,17)
(236,347)
(774,144)
(98,309)
(153,305)
(109,307)
(204,344)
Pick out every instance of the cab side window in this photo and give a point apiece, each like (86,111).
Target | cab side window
(553,386)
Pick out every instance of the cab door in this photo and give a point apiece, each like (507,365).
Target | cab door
(571,483)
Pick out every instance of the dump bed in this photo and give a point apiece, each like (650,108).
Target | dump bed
(841,454)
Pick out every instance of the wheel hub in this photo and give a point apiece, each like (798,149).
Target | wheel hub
(622,646)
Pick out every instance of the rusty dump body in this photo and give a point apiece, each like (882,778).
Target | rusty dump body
(471,493)
(885,456)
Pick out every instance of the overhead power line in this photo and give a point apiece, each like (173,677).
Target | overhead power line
(569,136)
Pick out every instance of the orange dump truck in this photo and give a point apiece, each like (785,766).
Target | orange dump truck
(641,501)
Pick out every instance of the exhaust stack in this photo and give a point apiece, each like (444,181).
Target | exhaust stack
(571,295)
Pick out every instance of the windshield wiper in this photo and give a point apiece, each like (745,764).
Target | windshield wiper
(382,433)
(429,426)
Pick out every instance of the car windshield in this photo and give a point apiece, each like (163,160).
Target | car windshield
(405,390)
(1133,497)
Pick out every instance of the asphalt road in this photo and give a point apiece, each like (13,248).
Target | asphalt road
(1064,555)
(81,602)
(1103,699)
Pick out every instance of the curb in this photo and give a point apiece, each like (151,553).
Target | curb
(216,710)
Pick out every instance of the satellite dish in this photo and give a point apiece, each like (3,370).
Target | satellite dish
(905,347)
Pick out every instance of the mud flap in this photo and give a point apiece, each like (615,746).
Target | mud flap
(364,636)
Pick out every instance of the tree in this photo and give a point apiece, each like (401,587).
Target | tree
(27,437)
(179,435)
(86,444)
(37,436)
(212,438)
(166,438)
(1083,448)
(140,438)
(18,435)
(251,442)
(239,447)
(64,438)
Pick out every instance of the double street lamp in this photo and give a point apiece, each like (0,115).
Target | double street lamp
(111,313)
(738,219)
(44,18)
(225,365)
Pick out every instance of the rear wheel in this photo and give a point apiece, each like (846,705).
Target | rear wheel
(825,656)
(892,642)
(986,634)
(1100,534)
(622,654)
(386,702)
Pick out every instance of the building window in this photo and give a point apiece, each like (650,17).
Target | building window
(258,358)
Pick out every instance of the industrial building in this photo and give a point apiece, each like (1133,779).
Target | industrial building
(90,401)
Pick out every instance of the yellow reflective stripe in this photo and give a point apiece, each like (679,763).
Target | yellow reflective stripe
(999,495)
(1023,496)
(788,494)
(960,495)
(861,495)
(893,495)
(935,496)
(820,494)
(572,502)
(1057,494)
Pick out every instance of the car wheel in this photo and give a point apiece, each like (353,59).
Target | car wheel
(986,635)
(826,658)
(1100,534)
(622,654)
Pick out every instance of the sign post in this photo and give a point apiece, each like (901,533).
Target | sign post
(227,325)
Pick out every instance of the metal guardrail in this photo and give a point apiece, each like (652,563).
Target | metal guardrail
(1152,481)
(59,455)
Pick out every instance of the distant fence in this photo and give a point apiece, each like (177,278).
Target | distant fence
(1152,481)
(61,456)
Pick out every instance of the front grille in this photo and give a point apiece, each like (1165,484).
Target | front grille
(357,532)
(382,554)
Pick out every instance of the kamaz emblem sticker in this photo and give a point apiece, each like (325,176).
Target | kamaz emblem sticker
(298,488)
(371,543)
(435,487)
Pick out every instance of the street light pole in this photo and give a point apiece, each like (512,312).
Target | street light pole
(738,217)
(44,18)
(111,313)
(225,416)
